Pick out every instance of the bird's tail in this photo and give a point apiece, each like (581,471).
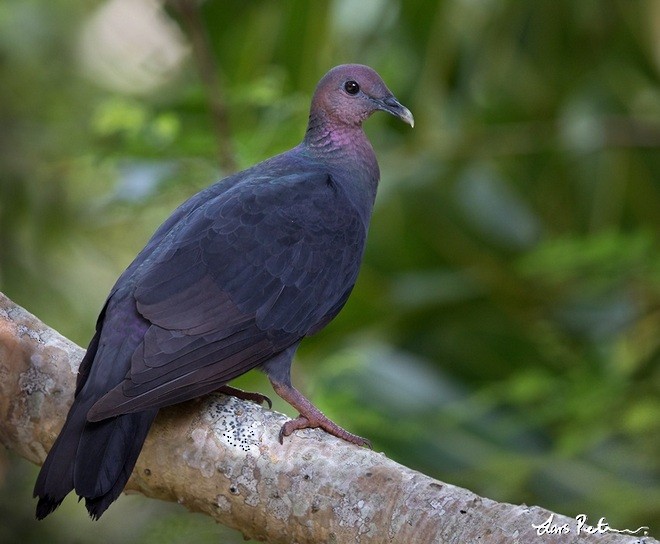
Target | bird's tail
(107,453)
(55,479)
(95,459)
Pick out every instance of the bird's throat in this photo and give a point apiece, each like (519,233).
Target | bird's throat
(346,144)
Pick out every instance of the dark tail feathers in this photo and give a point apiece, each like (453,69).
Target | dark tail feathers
(95,459)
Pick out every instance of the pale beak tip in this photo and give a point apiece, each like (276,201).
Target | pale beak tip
(406,116)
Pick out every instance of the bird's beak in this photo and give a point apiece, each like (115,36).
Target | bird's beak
(393,106)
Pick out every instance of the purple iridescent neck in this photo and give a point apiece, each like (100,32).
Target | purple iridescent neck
(347,154)
(337,142)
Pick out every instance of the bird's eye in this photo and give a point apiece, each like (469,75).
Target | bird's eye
(351,87)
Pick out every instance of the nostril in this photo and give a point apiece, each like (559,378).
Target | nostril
(392,102)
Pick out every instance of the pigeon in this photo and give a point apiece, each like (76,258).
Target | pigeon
(233,280)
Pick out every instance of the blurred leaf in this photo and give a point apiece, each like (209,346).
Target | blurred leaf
(495,211)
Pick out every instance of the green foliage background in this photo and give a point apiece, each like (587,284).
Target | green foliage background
(504,331)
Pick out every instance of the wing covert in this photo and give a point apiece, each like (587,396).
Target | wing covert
(281,252)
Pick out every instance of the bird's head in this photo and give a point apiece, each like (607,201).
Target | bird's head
(350,93)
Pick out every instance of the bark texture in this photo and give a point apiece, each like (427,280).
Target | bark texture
(221,456)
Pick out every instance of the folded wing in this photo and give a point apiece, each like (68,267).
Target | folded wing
(235,282)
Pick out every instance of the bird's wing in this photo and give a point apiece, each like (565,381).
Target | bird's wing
(237,281)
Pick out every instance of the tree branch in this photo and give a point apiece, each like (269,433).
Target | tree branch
(221,456)
(209,73)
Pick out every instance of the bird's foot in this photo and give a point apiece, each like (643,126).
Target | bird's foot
(311,417)
(304,422)
(245,395)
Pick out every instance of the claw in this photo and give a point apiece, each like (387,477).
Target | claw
(311,417)
(302,422)
(245,395)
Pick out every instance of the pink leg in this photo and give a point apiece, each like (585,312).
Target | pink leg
(245,395)
(310,416)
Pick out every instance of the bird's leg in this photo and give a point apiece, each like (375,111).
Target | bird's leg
(245,395)
(310,416)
